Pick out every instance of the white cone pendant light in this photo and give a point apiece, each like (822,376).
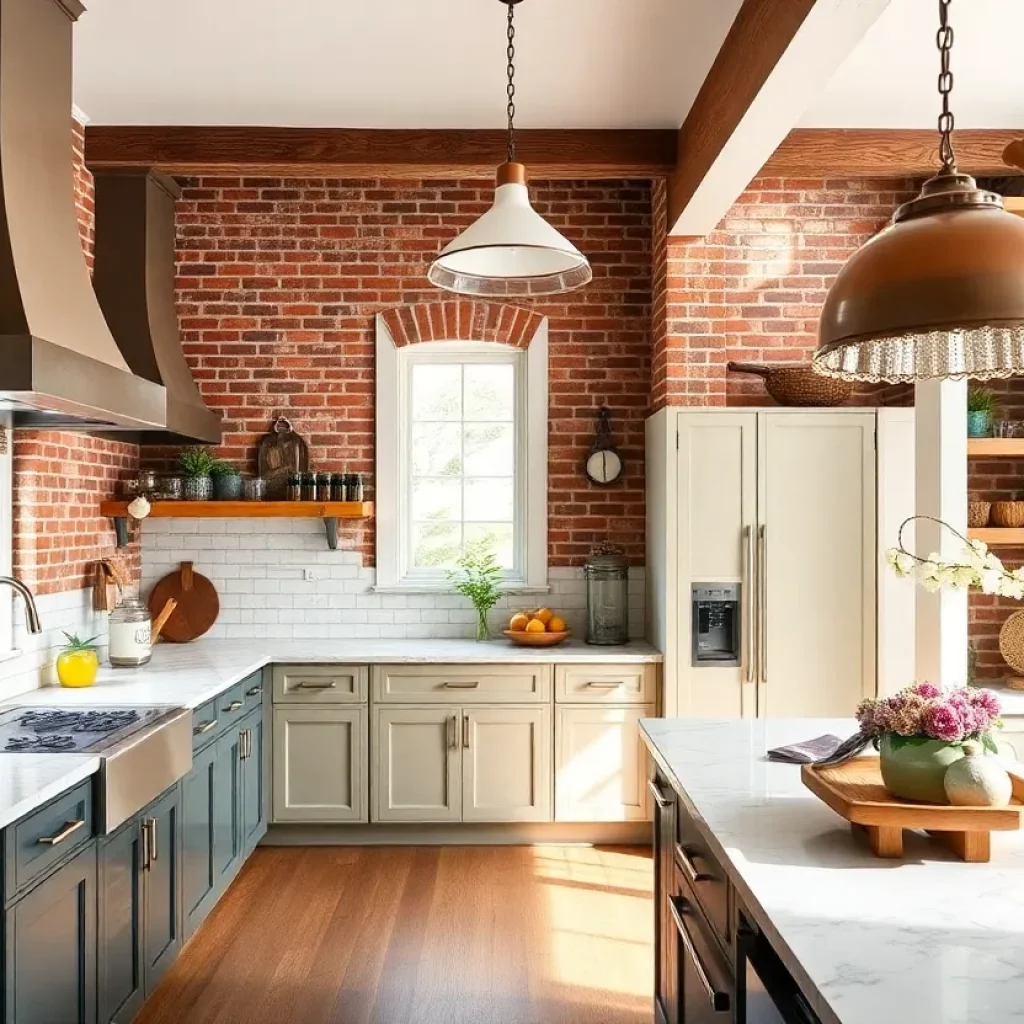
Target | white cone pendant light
(511,250)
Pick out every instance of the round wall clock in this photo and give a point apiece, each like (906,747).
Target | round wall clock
(603,464)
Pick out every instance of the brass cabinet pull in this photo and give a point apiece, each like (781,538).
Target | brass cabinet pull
(462,686)
(248,743)
(685,859)
(316,686)
(254,692)
(748,629)
(762,558)
(198,730)
(719,1000)
(660,799)
(235,705)
(70,827)
(452,737)
(154,855)
(465,731)
(145,845)
(606,684)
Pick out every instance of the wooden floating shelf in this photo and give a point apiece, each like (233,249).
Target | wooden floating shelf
(329,511)
(993,535)
(994,447)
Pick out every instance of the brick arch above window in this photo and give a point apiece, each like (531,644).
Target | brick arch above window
(461,320)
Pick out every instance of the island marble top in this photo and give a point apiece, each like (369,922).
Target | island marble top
(925,940)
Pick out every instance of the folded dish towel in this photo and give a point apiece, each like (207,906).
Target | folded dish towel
(823,750)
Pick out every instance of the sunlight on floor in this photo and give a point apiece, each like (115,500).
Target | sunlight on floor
(600,919)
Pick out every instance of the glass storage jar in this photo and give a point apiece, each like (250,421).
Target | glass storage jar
(130,643)
(607,579)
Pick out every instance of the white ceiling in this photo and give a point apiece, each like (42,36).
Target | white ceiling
(889,81)
(394,63)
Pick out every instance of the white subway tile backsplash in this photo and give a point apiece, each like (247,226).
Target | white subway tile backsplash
(258,567)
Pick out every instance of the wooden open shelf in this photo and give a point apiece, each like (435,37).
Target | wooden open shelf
(329,511)
(994,447)
(994,535)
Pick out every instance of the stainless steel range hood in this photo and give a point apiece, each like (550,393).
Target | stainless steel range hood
(134,276)
(59,363)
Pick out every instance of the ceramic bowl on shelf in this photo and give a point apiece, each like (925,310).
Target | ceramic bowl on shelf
(525,638)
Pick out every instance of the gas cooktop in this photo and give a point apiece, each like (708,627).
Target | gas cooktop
(65,730)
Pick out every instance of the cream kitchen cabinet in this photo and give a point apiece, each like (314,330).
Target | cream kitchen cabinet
(446,764)
(319,764)
(462,684)
(600,772)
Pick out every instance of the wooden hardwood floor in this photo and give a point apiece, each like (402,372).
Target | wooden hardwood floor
(422,935)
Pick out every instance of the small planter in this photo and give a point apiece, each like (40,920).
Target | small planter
(1008,514)
(915,771)
(978,513)
(227,487)
(979,424)
(198,488)
(76,669)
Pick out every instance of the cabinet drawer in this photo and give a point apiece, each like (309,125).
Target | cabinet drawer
(252,690)
(606,684)
(46,836)
(320,684)
(703,874)
(462,684)
(215,717)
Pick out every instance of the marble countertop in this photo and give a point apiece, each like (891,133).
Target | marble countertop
(29,780)
(869,941)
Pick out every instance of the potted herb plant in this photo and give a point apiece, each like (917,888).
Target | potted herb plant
(981,407)
(227,481)
(197,466)
(78,662)
(477,578)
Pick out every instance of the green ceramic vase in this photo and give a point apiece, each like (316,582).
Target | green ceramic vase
(914,771)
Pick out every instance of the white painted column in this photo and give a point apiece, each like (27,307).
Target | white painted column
(940,415)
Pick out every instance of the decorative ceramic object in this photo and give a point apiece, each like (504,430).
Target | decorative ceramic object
(976,780)
(978,424)
(139,508)
(917,771)
(77,663)
(198,488)
(227,486)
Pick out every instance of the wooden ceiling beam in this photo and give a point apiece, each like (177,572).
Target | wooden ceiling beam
(776,55)
(888,152)
(365,152)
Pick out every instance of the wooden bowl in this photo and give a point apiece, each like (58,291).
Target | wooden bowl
(527,639)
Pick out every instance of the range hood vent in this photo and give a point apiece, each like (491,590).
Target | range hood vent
(134,280)
(59,363)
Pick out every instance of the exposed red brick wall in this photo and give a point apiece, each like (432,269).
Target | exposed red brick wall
(753,289)
(461,320)
(280,280)
(60,477)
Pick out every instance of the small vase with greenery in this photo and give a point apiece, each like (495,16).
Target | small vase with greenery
(227,481)
(197,466)
(981,408)
(78,662)
(478,578)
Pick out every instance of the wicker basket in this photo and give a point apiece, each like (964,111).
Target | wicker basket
(1009,514)
(978,513)
(797,385)
(1011,641)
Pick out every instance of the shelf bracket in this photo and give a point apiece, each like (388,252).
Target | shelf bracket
(331,525)
(121,530)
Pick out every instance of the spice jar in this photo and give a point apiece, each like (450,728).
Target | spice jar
(130,641)
(323,486)
(294,487)
(254,488)
(355,487)
(308,487)
(607,577)
(338,487)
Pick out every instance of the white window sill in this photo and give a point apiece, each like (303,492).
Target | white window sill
(10,655)
(442,587)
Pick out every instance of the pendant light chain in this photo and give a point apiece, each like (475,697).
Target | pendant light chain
(510,89)
(944,40)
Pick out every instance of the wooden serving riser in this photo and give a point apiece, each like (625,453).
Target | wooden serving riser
(855,791)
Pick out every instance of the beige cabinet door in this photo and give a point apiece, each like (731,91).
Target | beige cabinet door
(319,767)
(506,764)
(716,519)
(599,764)
(416,764)
(817,562)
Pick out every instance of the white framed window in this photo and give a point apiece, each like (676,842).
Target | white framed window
(461,460)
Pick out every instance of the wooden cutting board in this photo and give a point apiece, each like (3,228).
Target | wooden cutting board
(197,604)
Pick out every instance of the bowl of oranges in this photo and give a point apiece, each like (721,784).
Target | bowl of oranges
(540,628)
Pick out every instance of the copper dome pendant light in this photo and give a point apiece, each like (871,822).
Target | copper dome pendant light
(940,292)
(510,250)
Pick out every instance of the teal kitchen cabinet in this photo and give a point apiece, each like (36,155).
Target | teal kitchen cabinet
(50,948)
(227,809)
(162,940)
(199,879)
(254,781)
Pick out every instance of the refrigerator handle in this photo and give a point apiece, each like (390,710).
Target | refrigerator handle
(749,587)
(762,601)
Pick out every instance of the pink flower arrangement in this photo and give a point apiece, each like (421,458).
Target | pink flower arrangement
(925,711)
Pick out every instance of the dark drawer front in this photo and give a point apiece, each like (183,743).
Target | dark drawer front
(705,986)
(46,836)
(704,876)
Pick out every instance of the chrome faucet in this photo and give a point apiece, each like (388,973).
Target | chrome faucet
(31,612)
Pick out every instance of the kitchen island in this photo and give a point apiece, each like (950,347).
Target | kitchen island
(866,941)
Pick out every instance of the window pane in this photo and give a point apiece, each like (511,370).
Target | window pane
(435,545)
(495,537)
(489,391)
(436,391)
(436,500)
(489,500)
(436,449)
(490,449)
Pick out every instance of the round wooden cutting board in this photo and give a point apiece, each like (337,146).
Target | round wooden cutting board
(198,604)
